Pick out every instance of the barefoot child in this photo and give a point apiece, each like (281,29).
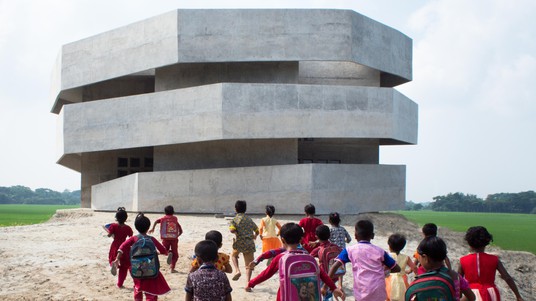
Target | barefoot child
(368,262)
(208,282)
(170,230)
(291,235)
(222,262)
(120,232)
(246,232)
(479,267)
(152,287)
(309,224)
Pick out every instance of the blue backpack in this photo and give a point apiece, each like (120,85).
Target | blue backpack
(144,258)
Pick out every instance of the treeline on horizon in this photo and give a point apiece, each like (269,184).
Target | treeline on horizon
(41,196)
(521,202)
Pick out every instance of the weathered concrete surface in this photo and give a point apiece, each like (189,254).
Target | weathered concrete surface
(239,111)
(228,103)
(348,188)
(215,36)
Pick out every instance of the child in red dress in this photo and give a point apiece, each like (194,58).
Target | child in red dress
(309,224)
(479,267)
(170,230)
(120,232)
(151,287)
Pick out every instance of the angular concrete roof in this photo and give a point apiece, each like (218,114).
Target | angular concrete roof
(204,36)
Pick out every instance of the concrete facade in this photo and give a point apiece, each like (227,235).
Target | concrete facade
(204,107)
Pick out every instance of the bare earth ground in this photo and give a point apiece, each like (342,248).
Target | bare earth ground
(66,258)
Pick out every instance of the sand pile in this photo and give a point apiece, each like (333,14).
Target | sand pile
(66,257)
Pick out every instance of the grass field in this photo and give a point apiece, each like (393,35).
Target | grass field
(510,231)
(17,215)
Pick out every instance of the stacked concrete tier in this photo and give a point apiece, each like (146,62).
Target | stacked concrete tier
(198,108)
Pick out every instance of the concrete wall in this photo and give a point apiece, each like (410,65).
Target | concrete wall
(191,75)
(346,151)
(225,153)
(346,188)
(338,73)
(215,36)
(99,167)
(239,111)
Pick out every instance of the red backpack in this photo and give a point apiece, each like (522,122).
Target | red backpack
(299,277)
(169,227)
(326,257)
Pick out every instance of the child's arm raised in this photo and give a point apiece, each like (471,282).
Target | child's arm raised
(154,225)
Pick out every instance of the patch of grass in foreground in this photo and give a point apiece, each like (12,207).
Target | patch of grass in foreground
(18,215)
(510,231)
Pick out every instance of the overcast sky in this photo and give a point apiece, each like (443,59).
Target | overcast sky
(474,79)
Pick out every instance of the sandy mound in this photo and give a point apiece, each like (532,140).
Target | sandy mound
(66,257)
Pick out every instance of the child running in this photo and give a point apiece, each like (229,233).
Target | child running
(428,230)
(170,230)
(120,232)
(432,252)
(152,287)
(207,283)
(368,262)
(338,234)
(291,235)
(326,252)
(397,283)
(479,267)
(222,262)
(309,224)
(269,230)
(246,232)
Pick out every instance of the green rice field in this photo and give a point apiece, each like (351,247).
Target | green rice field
(510,231)
(18,215)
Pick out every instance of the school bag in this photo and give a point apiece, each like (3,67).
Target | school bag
(143,258)
(327,256)
(299,277)
(169,227)
(435,285)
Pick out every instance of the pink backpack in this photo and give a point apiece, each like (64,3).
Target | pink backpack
(169,227)
(299,277)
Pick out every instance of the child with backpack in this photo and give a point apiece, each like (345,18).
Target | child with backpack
(299,274)
(170,230)
(208,282)
(222,263)
(428,230)
(338,235)
(438,282)
(479,268)
(246,232)
(120,231)
(368,262)
(145,267)
(397,283)
(326,252)
(309,224)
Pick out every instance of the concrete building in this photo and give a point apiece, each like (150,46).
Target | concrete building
(199,108)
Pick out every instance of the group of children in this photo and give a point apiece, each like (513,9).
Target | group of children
(290,248)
